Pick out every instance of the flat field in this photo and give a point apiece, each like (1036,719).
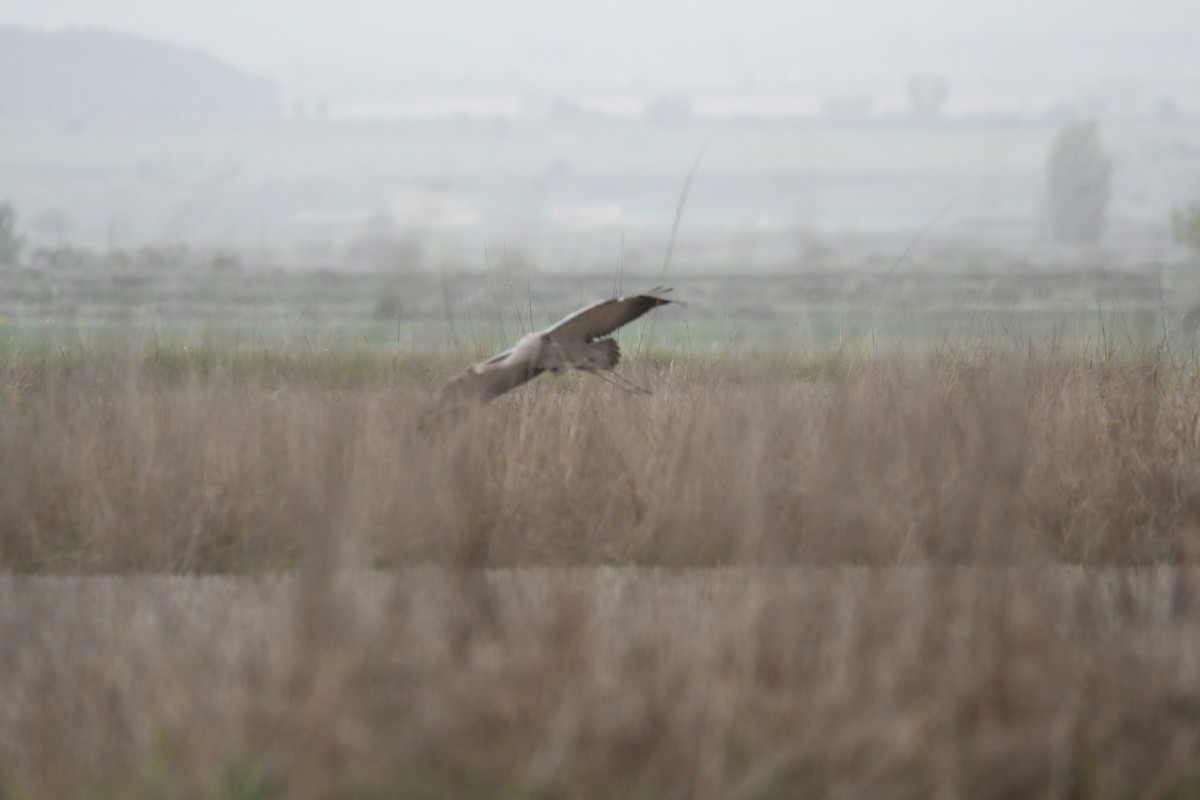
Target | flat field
(962,567)
(568,186)
(876,532)
(1039,680)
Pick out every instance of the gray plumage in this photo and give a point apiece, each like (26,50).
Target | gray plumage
(571,343)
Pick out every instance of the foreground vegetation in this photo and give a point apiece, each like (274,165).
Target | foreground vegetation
(956,572)
(204,461)
(770,682)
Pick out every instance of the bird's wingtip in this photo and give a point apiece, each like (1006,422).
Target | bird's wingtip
(660,290)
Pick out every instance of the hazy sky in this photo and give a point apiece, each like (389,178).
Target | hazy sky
(372,46)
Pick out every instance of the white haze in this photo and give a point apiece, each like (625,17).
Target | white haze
(533,123)
(358,50)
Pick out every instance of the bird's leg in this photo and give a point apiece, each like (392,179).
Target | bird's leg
(622,383)
(633,386)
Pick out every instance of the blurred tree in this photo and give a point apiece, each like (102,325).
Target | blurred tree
(565,108)
(389,306)
(382,246)
(668,109)
(1185,226)
(10,242)
(60,257)
(1078,173)
(53,223)
(1166,109)
(926,96)
(847,107)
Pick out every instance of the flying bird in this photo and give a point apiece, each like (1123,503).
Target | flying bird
(574,342)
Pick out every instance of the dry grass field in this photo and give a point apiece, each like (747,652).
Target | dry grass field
(964,572)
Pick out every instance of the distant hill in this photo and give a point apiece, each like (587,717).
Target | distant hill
(84,73)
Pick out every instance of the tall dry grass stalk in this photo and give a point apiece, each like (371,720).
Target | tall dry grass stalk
(978,458)
(1053,681)
(948,576)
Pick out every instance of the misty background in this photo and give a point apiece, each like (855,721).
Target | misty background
(374,135)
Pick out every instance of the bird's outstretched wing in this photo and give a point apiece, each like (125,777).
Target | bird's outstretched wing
(486,381)
(499,383)
(602,318)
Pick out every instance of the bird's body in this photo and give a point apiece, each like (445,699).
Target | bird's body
(571,343)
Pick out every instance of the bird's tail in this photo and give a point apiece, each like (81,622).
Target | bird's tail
(604,354)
